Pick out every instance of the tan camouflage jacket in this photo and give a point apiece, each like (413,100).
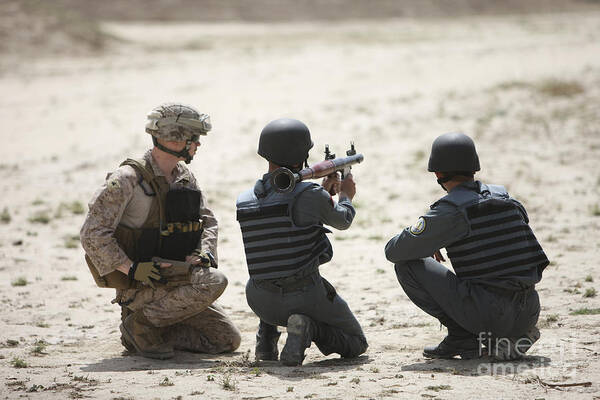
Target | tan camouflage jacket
(121,200)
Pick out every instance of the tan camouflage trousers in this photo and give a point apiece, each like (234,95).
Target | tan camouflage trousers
(186,313)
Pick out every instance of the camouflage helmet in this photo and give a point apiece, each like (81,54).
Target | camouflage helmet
(285,142)
(177,122)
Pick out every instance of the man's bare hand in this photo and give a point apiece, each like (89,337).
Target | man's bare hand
(332,183)
(438,256)
(348,187)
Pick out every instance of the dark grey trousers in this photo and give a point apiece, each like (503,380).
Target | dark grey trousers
(461,304)
(337,330)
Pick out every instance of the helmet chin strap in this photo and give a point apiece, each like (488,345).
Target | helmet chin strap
(444,179)
(184,153)
(299,167)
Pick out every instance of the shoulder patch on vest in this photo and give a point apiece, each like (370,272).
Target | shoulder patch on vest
(418,227)
(113,183)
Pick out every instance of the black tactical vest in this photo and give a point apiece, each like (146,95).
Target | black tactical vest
(500,242)
(275,246)
(173,227)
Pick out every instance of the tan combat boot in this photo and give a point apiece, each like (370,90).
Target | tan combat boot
(145,337)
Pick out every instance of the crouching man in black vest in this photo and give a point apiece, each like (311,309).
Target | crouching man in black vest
(285,242)
(489,304)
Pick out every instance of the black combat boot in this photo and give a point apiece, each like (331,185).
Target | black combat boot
(508,349)
(458,342)
(300,329)
(465,347)
(266,342)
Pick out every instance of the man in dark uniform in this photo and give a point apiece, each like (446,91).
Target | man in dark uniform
(490,299)
(285,242)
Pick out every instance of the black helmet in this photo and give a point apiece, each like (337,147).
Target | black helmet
(285,142)
(453,152)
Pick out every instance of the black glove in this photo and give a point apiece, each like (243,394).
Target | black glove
(144,272)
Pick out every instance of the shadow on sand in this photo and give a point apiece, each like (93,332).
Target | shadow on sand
(182,360)
(481,366)
(312,370)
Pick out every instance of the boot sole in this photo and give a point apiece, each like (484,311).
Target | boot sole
(129,338)
(297,341)
(516,348)
(467,355)
(266,356)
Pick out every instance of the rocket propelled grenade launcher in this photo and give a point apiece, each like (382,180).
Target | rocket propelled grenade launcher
(284,180)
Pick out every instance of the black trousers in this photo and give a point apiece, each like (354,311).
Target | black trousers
(463,305)
(337,330)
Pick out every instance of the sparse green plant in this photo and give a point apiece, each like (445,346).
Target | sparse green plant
(19,363)
(166,382)
(12,342)
(39,347)
(256,371)
(210,378)
(375,237)
(76,207)
(380,271)
(590,292)
(513,85)
(228,382)
(552,318)
(85,379)
(356,380)
(595,210)
(37,202)
(71,241)
(585,311)
(589,278)
(42,324)
(437,388)
(560,88)
(290,388)
(68,278)
(197,393)
(551,238)
(419,156)
(35,388)
(40,217)
(374,370)
(20,281)
(5,217)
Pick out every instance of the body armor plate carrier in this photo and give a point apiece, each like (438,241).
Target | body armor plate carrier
(172,229)
(275,246)
(500,241)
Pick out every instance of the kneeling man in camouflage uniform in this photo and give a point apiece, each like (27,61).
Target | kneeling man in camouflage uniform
(285,243)
(490,300)
(152,207)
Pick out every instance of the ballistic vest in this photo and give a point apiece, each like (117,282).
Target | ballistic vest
(500,241)
(275,246)
(172,228)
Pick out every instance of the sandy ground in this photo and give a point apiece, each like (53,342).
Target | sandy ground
(527,88)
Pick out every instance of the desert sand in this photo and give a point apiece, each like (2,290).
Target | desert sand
(525,87)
